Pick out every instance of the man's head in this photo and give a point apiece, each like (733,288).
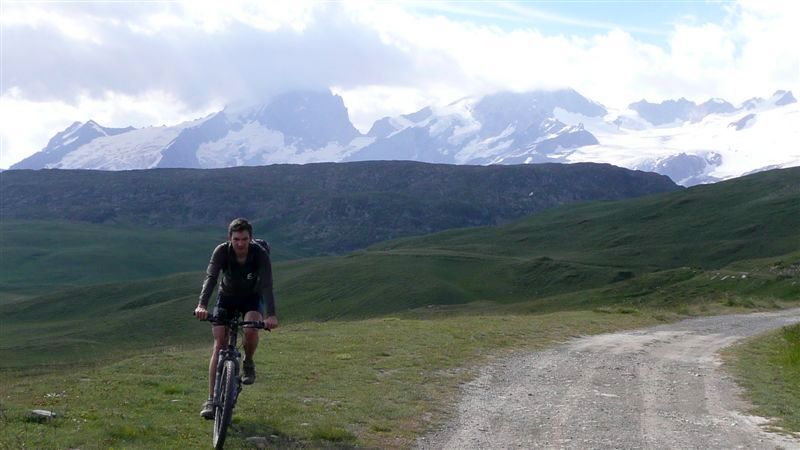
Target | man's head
(240,224)
(239,233)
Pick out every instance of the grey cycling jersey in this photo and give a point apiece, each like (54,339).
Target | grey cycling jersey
(240,280)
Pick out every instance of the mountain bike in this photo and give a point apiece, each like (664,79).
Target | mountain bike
(228,382)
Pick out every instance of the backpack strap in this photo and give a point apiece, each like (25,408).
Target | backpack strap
(226,262)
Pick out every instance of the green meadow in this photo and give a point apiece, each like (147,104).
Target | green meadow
(373,345)
(769,369)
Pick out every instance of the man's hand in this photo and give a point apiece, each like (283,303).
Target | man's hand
(201,312)
(271,322)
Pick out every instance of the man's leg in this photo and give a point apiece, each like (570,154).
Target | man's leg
(220,338)
(250,345)
(251,334)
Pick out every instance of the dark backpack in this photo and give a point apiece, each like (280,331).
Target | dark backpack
(263,244)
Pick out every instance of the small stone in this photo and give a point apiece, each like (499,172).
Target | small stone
(41,415)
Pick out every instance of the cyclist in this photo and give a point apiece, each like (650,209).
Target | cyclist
(245,287)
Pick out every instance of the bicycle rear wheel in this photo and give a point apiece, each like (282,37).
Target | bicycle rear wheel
(224,405)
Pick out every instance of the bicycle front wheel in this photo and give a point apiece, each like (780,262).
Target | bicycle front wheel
(224,405)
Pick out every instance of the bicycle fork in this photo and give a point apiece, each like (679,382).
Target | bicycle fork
(225,355)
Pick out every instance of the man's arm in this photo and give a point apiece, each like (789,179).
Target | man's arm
(212,274)
(265,288)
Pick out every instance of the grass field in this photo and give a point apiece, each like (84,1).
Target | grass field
(373,345)
(135,377)
(769,368)
(108,320)
(375,383)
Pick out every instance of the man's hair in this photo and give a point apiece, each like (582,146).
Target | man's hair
(240,224)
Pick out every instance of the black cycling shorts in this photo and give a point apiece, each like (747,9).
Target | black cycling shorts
(233,306)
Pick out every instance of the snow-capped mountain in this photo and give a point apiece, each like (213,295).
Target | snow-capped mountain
(66,142)
(705,146)
(504,128)
(692,143)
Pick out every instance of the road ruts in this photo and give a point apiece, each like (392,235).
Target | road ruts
(656,388)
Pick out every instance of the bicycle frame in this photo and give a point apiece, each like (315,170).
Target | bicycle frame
(231,352)
(228,353)
(223,413)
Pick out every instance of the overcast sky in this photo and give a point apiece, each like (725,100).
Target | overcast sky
(145,63)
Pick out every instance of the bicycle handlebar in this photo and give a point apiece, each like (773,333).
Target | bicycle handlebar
(242,323)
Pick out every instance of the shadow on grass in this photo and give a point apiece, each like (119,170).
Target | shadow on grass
(251,433)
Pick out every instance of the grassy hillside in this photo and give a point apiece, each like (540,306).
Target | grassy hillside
(102,321)
(319,208)
(402,320)
(549,262)
(41,255)
(37,256)
(705,226)
(684,237)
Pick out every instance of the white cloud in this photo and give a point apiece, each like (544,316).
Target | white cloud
(36,17)
(212,16)
(108,61)
(768,33)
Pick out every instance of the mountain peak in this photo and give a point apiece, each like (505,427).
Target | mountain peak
(92,126)
(75,125)
(670,111)
(713,106)
(783,98)
(309,118)
(667,111)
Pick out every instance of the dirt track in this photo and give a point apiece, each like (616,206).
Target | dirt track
(657,388)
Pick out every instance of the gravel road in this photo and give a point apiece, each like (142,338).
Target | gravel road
(656,388)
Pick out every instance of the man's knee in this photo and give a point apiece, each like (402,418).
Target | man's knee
(251,334)
(220,335)
(253,316)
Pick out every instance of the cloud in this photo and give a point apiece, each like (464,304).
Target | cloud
(747,54)
(767,33)
(197,60)
(107,61)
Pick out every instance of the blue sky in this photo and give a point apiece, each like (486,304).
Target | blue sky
(650,21)
(125,63)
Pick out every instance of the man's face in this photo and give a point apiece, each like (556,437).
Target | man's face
(240,241)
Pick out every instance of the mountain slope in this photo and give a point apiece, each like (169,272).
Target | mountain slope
(728,242)
(66,142)
(668,248)
(705,226)
(502,128)
(696,144)
(319,208)
(689,142)
(308,126)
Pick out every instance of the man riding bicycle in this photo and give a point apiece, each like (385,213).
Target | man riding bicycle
(245,287)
